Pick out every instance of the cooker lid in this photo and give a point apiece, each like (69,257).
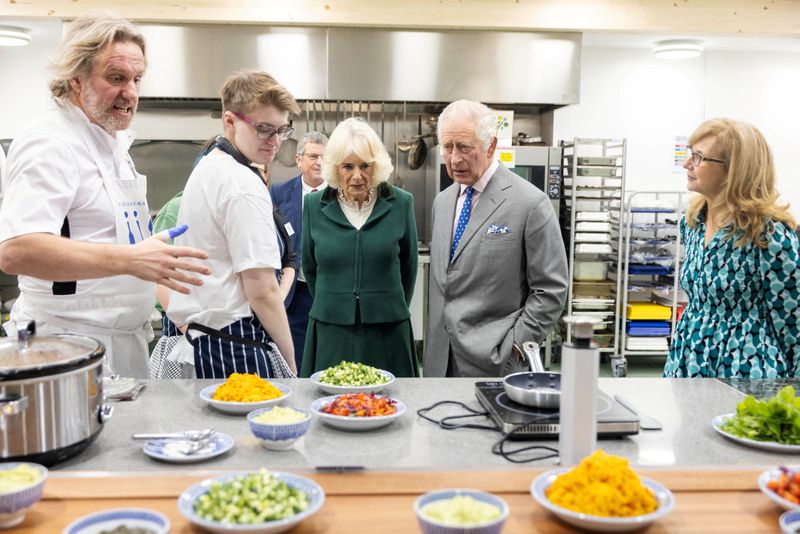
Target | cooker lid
(32,355)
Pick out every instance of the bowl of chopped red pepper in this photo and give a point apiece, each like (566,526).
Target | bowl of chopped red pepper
(782,486)
(358,411)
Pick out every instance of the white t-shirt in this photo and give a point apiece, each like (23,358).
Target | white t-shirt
(229,213)
(52,174)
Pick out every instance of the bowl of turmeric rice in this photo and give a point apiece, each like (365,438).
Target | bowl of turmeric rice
(243,393)
(602,494)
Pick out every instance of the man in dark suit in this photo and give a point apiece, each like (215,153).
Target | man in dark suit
(289,197)
(498,273)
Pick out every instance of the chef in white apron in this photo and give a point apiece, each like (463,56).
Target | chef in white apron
(70,176)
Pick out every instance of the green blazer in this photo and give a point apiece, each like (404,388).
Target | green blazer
(372,269)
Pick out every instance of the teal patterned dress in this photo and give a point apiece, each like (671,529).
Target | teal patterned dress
(743,315)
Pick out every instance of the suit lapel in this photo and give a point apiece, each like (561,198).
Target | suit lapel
(296,192)
(443,229)
(491,198)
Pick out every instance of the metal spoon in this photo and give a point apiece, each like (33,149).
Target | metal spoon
(193,435)
(645,421)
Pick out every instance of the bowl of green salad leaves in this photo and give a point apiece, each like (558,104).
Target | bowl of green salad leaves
(262,502)
(771,424)
(350,377)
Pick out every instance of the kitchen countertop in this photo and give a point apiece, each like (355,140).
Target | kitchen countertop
(684,406)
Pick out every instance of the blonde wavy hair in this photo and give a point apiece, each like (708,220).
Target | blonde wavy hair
(355,136)
(749,200)
(84,40)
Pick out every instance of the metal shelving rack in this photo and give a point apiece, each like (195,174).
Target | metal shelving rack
(645,219)
(593,189)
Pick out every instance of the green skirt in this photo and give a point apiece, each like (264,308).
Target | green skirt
(388,346)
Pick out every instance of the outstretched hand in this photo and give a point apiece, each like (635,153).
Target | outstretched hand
(156,261)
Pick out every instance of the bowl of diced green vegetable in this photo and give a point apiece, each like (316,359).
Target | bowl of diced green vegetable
(262,502)
(349,377)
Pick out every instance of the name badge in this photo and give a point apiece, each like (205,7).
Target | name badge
(289,229)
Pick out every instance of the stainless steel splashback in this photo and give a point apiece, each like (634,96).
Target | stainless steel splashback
(368,64)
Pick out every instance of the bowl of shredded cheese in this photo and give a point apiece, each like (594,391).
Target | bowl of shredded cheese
(243,393)
(602,494)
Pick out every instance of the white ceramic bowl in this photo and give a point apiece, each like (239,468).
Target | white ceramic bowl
(316,497)
(278,436)
(430,526)
(354,423)
(107,520)
(335,390)
(243,408)
(15,504)
(666,503)
(767,476)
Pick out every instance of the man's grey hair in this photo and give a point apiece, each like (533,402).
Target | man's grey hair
(79,47)
(317,138)
(483,119)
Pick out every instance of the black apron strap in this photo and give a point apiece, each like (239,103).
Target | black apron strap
(65,288)
(224,335)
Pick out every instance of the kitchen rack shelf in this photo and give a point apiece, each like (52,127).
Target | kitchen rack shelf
(592,191)
(650,223)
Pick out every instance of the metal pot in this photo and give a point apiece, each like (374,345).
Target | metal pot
(524,139)
(51,396)
(535,388)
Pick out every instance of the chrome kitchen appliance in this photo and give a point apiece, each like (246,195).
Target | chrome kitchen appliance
(613,419)
(51,396)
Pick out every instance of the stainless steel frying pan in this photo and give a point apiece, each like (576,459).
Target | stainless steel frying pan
(535,388)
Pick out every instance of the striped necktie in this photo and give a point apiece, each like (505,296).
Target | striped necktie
(463,219)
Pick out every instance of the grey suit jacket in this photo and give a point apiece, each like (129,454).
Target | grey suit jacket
(484,301)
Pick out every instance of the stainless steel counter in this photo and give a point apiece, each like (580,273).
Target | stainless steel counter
(685,407)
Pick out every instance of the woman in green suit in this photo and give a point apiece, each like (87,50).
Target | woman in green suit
(359,250)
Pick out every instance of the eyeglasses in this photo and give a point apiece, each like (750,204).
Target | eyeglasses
(350,167)
(698,158)
(312,157)
(264,130)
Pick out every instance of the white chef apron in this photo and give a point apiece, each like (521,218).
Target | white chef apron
(117,311)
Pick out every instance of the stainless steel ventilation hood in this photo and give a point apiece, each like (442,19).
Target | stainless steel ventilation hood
(187,64)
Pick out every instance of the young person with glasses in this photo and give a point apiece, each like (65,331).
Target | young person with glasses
(237,322)
(741,266)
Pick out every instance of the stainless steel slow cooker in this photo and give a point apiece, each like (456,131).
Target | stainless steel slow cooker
(51,396)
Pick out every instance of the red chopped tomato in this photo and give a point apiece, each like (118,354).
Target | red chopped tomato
(361,405)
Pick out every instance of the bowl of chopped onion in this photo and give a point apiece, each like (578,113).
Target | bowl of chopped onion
(460,511)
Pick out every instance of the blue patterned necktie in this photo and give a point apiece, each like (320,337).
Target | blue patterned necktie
(463,219)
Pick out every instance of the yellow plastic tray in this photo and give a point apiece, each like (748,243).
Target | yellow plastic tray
(646,311)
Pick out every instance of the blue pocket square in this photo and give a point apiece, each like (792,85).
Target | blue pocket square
(497,229)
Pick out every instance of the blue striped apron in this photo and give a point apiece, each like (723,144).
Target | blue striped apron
(217,357)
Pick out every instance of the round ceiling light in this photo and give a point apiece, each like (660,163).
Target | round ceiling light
(678,49)
(14,36)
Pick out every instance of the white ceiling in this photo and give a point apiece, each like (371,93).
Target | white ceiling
(640,41)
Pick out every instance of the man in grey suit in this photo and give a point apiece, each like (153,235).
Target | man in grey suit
(498,273)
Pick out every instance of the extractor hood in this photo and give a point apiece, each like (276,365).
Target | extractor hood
(540,68)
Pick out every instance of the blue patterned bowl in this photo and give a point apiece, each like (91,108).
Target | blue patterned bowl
(790,522)
(14,504)
(108,520)
(430,526)
(278,436)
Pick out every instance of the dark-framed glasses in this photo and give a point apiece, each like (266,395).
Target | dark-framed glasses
(698,157)
(264,130)
(350,167)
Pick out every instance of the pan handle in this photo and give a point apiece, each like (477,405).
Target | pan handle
(530,350)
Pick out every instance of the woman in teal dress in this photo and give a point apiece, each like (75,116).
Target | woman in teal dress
(359,255)
(741,266)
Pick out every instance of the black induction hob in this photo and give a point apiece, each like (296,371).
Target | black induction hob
(613,419)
